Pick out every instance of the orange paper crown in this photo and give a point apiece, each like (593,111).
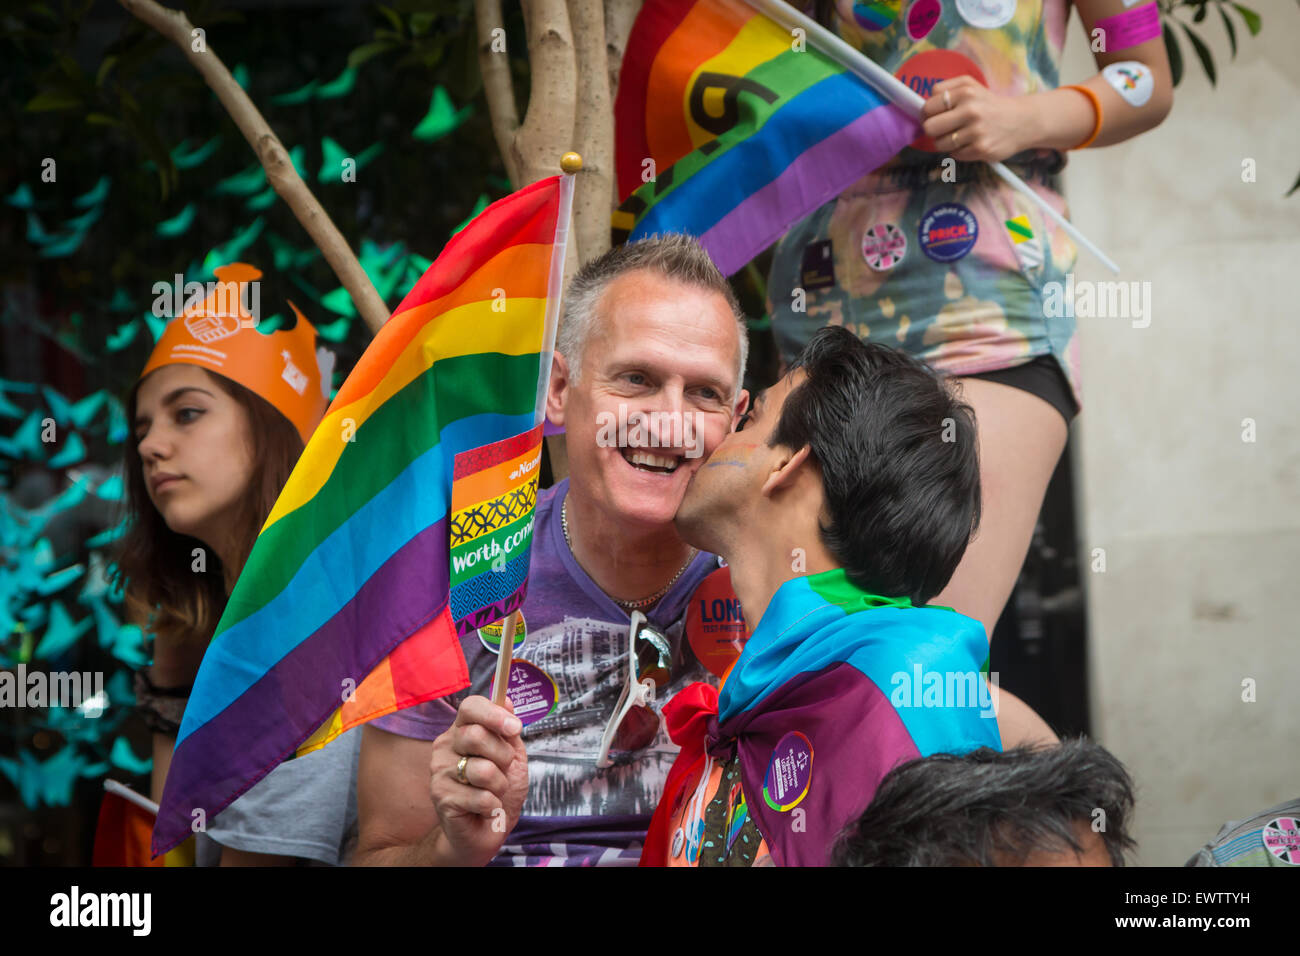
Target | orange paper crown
(286,368)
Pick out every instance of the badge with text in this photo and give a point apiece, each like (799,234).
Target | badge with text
(947,232)
(532,691)
(1132,80)
(491,634)
(926,70)
(1282,839)
(818,269)
(789,773)
(921,17)
(715,626)
(883,246)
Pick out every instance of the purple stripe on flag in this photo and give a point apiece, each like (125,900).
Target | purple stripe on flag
(820,174)
(268,722)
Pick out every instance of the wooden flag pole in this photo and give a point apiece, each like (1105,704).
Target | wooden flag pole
(570,165)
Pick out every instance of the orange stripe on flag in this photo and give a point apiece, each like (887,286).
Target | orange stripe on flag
(706,31)
(495,481)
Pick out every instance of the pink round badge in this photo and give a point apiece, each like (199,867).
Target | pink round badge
(921,17)
(883,246)
(1282,839)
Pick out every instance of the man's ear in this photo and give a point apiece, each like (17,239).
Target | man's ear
(742,406)
(785,469)
(558,389)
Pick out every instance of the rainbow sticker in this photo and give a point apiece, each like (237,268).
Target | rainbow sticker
(789,773)
(876,14)
(490,634)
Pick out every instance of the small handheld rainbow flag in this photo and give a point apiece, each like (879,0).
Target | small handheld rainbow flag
(407,520)
(730,127)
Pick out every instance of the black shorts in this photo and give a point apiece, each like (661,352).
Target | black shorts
(1041,376)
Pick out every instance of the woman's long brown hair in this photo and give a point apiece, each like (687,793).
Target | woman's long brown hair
(163,594)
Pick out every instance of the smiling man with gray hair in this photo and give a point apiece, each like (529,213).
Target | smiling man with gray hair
(647,380)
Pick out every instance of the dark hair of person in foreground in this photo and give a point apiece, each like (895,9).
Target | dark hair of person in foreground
(1024,807)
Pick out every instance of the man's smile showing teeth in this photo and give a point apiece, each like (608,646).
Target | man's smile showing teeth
(643,460)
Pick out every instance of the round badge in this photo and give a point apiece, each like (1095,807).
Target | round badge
(883,246)
(532,691)
(491,635)
(921,17)
(789,772)
(715,625)
(1282,839)
(924,71)
(987,14)
(875,14)
(947,232)
(679,838)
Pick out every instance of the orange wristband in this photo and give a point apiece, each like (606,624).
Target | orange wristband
(1096,108)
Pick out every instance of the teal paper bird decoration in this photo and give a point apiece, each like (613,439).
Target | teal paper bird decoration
(442,117)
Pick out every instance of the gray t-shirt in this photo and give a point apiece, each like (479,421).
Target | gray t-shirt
(306,807)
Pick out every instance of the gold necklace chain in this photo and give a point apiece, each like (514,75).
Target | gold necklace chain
(626,605)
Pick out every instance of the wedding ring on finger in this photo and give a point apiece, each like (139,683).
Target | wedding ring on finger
(954,140)
(460,770)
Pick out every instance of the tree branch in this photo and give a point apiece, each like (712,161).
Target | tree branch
(494,64)
(175,26)
(593,131)
(547,130)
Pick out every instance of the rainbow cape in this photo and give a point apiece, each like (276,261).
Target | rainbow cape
(407,520)
(746,133)
(834,688)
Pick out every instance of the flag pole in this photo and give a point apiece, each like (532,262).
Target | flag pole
(907,100)
(126,793)
(570,164)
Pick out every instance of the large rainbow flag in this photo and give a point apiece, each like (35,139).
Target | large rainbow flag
(749,128)
(407,520)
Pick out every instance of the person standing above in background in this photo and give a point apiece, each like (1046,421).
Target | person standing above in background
(220,415)
(933,254)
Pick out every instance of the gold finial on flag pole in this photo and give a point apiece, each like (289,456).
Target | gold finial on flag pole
(570,162)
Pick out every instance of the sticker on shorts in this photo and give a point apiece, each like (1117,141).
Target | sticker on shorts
(924,71)
(789,772)
(921,17)
(1131,80)
(1282,839)
(883,246)
(987,14)
(948,232)
(875,14)
(818,270)
(715,625)
(532,691)
(491,634)
(1028,248)
(1129,28)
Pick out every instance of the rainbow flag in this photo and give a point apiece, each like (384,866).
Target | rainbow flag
(835,687)
(748,128)
(360,581)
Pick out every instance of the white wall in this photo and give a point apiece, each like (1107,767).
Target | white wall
(1201,530)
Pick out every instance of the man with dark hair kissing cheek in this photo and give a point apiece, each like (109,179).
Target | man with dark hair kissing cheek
(842,502)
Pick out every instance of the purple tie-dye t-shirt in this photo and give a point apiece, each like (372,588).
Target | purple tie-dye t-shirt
(575,814)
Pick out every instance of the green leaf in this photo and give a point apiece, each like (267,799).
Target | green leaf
(368,51)
(1202,53)
(53,100)
(1175,56)
(391,16)
(109,62)
(1232,31)
(1251,18)
(102,119)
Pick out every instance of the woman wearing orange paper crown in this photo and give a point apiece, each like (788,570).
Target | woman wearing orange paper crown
(220,415)
(934,254)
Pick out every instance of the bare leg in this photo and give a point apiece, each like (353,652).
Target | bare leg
(1021,438)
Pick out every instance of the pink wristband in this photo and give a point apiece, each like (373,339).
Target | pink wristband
(1129,28)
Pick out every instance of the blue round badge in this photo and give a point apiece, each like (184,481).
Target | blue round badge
(948,232)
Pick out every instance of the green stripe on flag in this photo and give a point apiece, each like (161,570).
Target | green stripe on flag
(452,389)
